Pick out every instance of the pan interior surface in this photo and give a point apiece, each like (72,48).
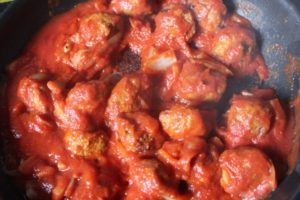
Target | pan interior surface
(277,24)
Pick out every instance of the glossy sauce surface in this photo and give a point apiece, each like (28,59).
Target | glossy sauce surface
(117,100)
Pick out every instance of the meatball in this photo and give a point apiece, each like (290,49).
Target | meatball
(132,93)
(181,122)
(204,179)
(181,154)
(85,144)
(35,95)
(248,116)
(248,119)
(235,45)
(258,119)
(247,173)
(231,44)
(209,13)
(99,32)
(174,27)
(78,42)
(85,44)
(151,179)
(139,133)
(196,84)
(132,7)
(88,97)
(83,108)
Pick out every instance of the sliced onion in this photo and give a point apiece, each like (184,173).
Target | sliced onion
(70,187)
(214,65)
(77,58)
(40,76)
(111,43)
(247,93)
(211,63)
(160,61)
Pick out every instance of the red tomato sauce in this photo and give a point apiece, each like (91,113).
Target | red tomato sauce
(118,100)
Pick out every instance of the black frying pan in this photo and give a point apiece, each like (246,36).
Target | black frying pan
(278,32)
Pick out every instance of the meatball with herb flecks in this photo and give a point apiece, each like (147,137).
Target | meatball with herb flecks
(139,133)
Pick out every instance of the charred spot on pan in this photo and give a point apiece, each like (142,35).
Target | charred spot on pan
(183,187)
(130,62)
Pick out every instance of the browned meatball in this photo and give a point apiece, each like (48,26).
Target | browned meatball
(89,41)
(88,97)
(132,93)
(174,27)
(83,108)
(87,145)
(257,118)
(152,180)
(181,122)
(231,44)
(139,133)
(196,84)
(34,94)
(98,27)
(100,33)
(209,13)
(204,179)
(235,45)
(249,115)
(248,119)
(247,173)
(181,154)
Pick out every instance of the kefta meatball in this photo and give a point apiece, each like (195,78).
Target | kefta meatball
(247,173)
(182,154)
(248,119)
(175,26)
(253,119)
(235,45)
(209,14)
(181,122)
(87,145)
(151,179)
(196,84)
(132,93)
(139,133)
(34,93)
(85,47)
(257,118)
(82,108)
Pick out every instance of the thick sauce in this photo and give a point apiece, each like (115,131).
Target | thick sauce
(116,100)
